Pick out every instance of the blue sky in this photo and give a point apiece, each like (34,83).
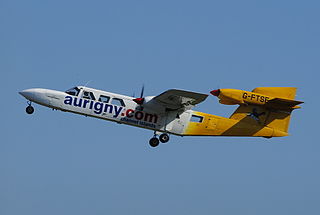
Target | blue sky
(59,163)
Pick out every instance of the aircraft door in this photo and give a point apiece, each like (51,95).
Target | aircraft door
(180,122)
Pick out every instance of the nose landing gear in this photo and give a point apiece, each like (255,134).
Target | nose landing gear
(163,138)
(29,109)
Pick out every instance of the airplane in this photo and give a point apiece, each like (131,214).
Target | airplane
(263,112)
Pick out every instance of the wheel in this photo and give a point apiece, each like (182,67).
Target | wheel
(29,109)
(164,138)
(154,142)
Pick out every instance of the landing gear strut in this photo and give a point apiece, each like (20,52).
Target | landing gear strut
(154,141)
(29,109)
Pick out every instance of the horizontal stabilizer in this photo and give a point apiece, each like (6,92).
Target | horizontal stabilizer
(283,103)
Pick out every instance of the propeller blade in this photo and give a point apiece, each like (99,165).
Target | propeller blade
(142,91)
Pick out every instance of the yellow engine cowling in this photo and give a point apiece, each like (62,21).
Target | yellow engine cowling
(230,96)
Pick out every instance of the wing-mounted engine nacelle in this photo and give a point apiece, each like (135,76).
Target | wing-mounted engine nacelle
(227,102)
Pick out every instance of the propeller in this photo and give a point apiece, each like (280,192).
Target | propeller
(140,100)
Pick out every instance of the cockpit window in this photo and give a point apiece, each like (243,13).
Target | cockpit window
(118,102)
(104,99)
(88,95)
(73,91)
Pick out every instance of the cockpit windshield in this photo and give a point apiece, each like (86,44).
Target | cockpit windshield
(73,91)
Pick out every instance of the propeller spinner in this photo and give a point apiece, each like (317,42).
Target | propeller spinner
(140,100)
(215,92)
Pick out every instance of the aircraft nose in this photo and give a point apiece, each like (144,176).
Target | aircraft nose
(37,95)
(28,94)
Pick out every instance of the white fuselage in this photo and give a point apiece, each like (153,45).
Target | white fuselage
(113,107)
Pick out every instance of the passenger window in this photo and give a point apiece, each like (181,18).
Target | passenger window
(73,91)
(104,99)
(196,118)
(88,95)
(118,102)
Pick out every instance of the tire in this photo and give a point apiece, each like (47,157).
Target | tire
(154,142)
(29,110)
(164,138)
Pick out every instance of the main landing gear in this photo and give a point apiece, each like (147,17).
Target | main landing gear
(29,109)
(163,138)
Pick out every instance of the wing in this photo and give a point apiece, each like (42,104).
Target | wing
(179,99)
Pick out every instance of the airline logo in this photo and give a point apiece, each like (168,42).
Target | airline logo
(101,108)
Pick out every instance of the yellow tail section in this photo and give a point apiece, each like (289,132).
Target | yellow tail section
(275,114)
(278,92)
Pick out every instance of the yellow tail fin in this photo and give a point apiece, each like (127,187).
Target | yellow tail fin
(278,92)
(275,114)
